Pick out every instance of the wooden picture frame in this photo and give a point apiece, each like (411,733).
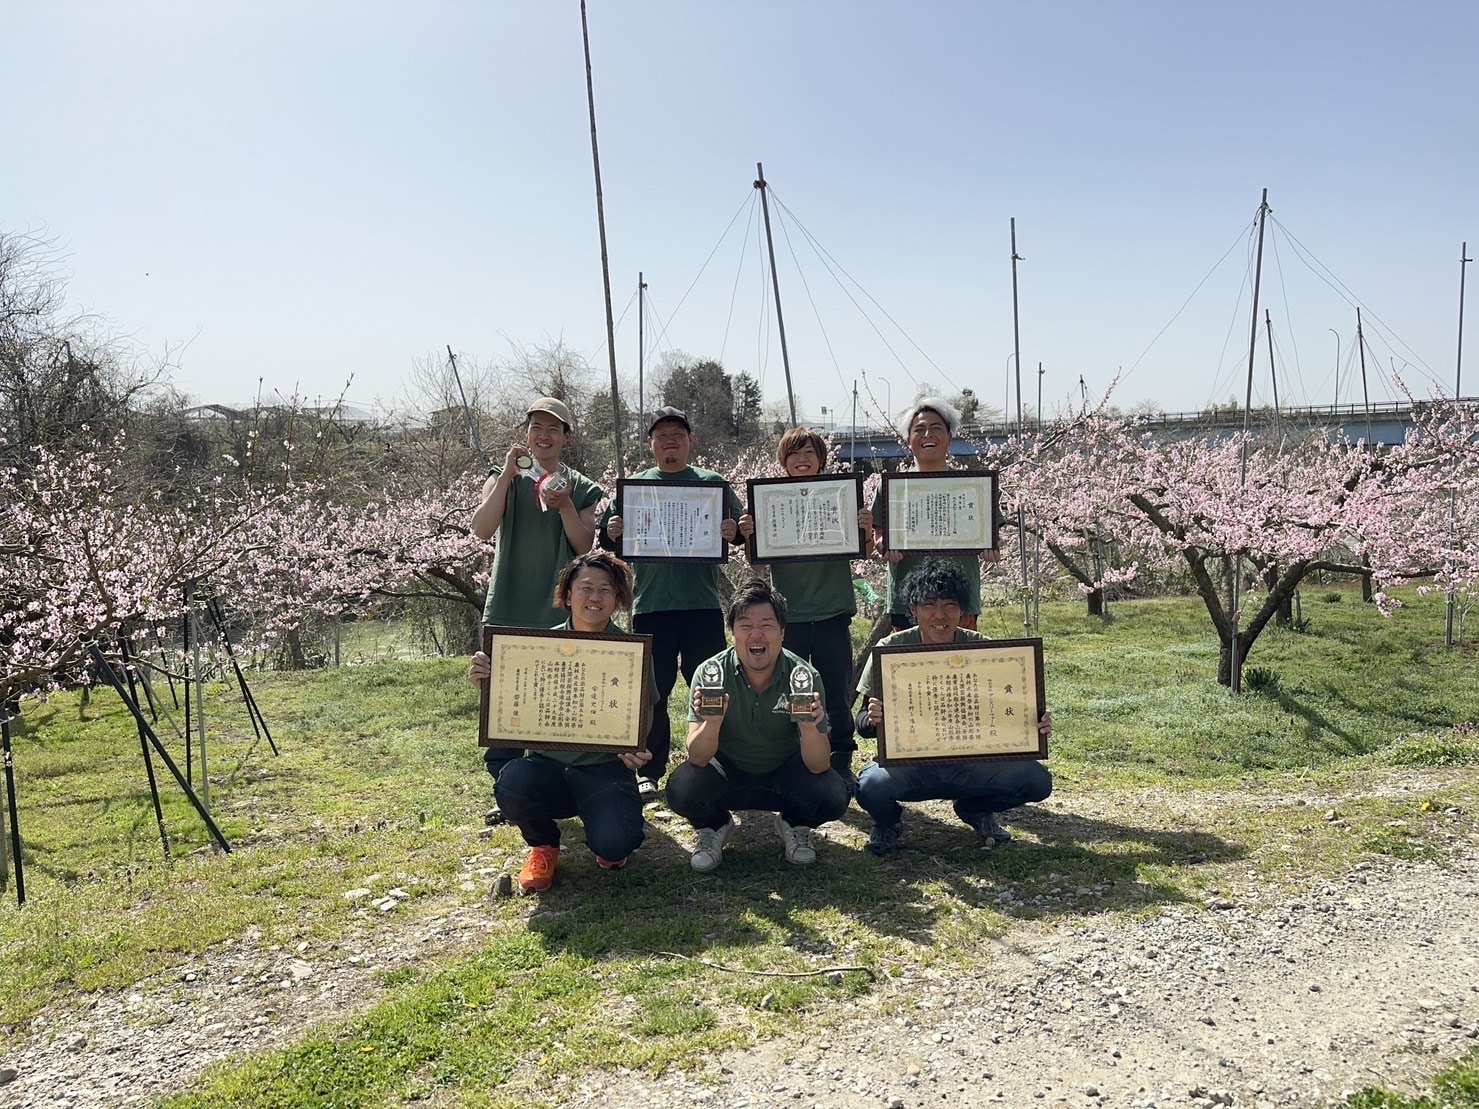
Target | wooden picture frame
(805,519)
(674,521)
(977,700)
(950,512)
(565,690)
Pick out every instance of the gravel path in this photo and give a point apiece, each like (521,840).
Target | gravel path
(1257,999)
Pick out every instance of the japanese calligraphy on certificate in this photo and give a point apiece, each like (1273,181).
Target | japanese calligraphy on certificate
(806,518)
(564,690)
(953,511)
(672,519)
(977,700)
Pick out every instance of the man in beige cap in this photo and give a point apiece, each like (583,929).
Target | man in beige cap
(543,514)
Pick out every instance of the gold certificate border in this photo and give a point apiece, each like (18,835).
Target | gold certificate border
(632,493)
(517,710)
(959,699)
(899,487)
(761,489)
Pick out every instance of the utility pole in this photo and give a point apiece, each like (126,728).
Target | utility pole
(1449,629)
(1235,675)
(775,282)
(641,354)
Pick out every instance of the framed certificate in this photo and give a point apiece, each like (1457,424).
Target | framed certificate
(977,700)
(564,690)
(806,518)
(677,521)
(952,512)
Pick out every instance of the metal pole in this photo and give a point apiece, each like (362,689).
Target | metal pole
(590,96)
(112,678)
(1273,373)
(775,282)
(1037,539)
(205,781)
(7,712)
(1458,391)
(185,682)
(1365,395)
(1021,431)
(1332,331)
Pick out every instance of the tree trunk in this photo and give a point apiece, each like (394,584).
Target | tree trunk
(1285,614)
(1225,672)
(881,627)
(1095,598)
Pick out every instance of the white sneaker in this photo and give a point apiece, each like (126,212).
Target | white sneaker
(708,852)
(797,842)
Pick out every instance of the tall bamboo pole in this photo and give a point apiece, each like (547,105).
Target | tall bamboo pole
(775,282)
(590,96)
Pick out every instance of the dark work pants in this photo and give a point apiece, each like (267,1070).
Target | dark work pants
(535,791)
(705,795)
(827,645)
(692,634)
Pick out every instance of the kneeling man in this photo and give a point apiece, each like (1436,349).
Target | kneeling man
(745,748)
(936,593)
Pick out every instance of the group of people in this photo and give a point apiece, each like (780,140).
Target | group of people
(753,746)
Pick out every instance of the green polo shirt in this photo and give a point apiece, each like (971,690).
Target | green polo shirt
(815,590)
(594,758)
(758,734)
(529,550)
(672,586)
(898,571)
(909,637)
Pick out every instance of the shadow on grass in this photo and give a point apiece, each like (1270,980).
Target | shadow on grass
(755,900)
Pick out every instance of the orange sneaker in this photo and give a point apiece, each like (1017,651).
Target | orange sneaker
(611,864)
(539,869)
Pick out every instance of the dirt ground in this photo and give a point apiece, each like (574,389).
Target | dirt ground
(1258,996)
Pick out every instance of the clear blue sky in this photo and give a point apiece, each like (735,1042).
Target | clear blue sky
(302,191)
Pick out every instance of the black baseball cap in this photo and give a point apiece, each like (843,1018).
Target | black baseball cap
(669,413)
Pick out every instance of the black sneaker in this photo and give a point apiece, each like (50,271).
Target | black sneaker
(495,817)
(991,833)
(884,838)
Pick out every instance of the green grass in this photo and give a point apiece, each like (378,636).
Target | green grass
(379,785)
(1455,1088)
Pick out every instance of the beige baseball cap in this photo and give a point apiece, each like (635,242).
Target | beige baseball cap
(554,407)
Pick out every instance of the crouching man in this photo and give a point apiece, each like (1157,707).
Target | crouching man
(757,738)
(936,593)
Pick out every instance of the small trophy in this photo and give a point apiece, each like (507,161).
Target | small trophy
(802,694)
(710,689)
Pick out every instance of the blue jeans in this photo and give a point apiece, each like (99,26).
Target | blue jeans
(976,788)
(705,795)
(535,791)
